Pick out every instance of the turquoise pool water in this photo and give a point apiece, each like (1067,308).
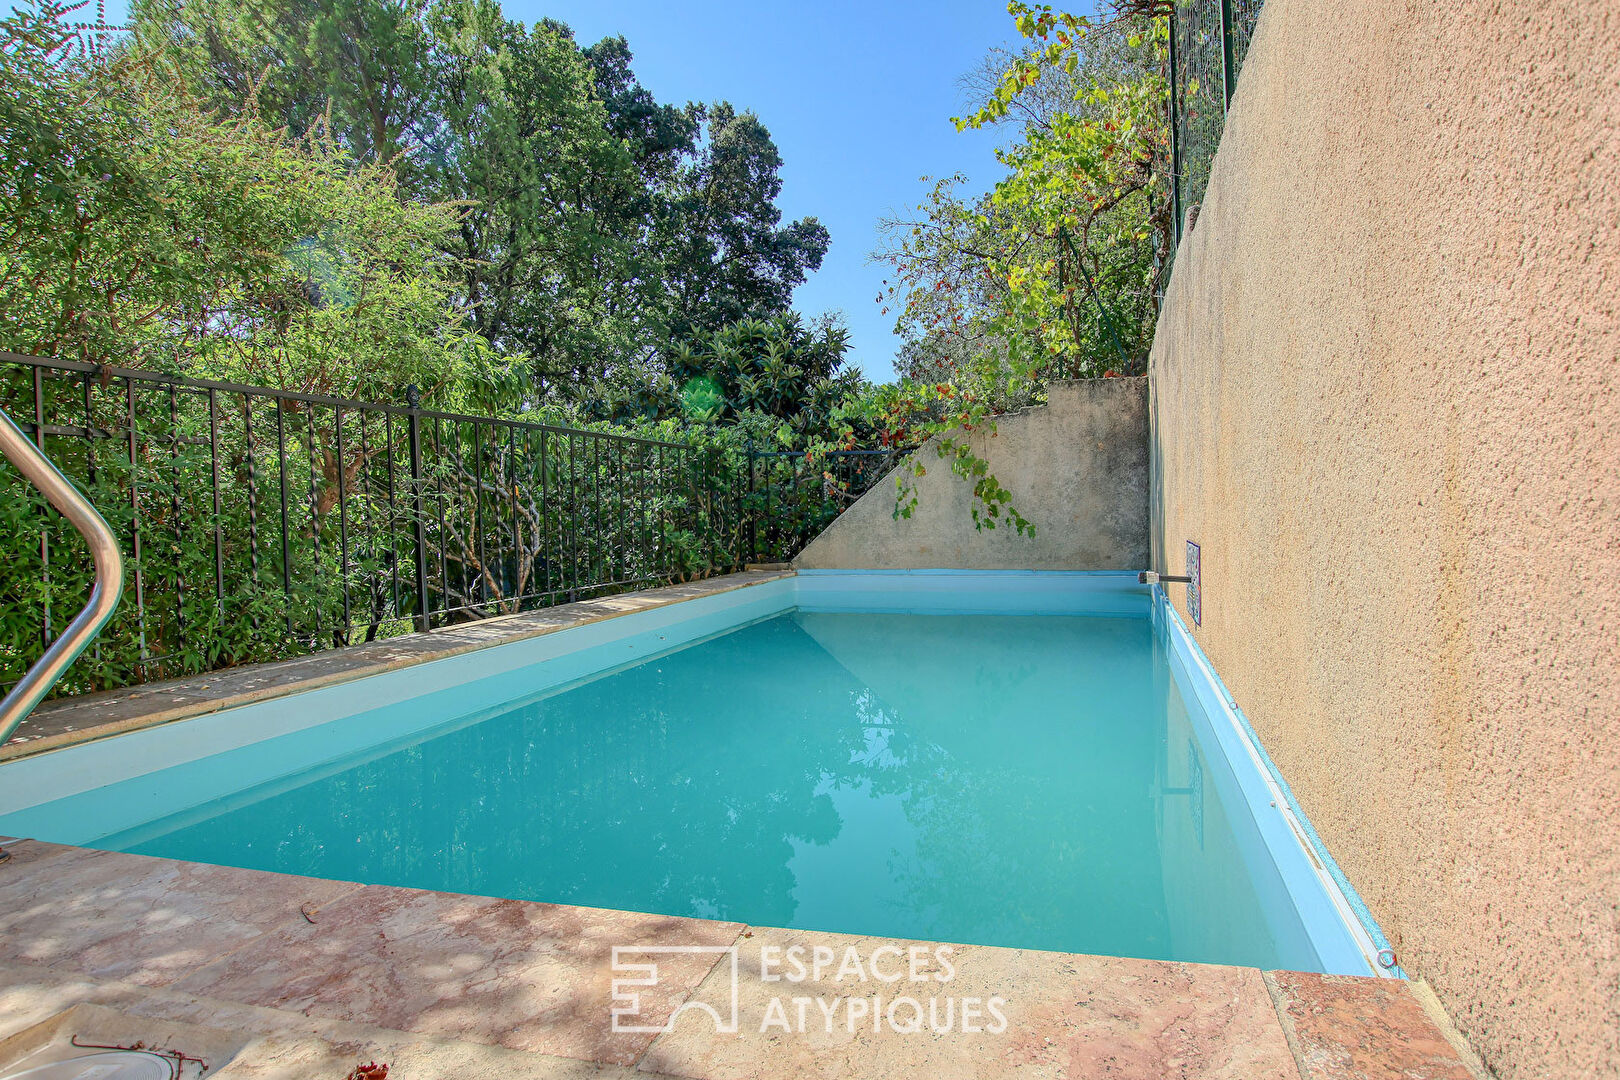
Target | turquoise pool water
(1031,781)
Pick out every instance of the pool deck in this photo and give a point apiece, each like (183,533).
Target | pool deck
(68,721)
(274,976)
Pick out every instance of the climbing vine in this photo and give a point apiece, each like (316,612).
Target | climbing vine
(1052,273)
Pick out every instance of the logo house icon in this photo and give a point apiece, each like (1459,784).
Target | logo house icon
(635,969)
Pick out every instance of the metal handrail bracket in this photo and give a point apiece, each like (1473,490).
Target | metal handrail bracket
(38,469)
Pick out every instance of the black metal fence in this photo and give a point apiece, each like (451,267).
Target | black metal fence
(1209,40)
(262,523)
(794,496)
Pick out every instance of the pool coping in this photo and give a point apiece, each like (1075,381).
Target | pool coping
(1318,1018)
(347,972)
(90,717)
(1349,906)
(337,684)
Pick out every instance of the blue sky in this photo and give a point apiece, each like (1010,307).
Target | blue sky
(858,96)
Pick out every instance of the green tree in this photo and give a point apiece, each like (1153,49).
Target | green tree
(1055,268)
(949,300)
(147,232)
(353,69)
(1090,180)
(1052,273)
(776,367)
(722,245)
(522,143)
(660,137)
(601,228)
(152,226)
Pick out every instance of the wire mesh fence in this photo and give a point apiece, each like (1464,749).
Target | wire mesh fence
(260,523)
(1209,40)
(1245,13)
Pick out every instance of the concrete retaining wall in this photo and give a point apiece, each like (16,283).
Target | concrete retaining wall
(1077,468)
(1384,403)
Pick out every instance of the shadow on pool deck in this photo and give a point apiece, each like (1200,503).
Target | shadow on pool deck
(318,976)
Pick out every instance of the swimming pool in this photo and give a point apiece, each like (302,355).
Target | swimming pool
(1037,760)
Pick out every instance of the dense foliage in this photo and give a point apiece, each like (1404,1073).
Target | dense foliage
(241,187)
(1052,273)
(597,228)
(142,229)
(353,197)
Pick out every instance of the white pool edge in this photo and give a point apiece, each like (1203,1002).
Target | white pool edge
(34,780)
(1279,803)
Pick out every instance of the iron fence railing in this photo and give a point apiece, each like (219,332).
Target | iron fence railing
(1209,40)
(263,523)
(797,495)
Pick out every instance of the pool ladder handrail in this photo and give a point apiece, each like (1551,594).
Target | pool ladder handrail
(45,672)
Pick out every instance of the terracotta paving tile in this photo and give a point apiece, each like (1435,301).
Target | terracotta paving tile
(1348,1028)
(144,920)
(538,979)
(1066,1016)
(283,1045)
(312,1059)
(526,976)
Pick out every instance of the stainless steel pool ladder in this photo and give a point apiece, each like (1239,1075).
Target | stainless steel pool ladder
(49,668)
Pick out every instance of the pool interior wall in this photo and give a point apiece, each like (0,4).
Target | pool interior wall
(155,787)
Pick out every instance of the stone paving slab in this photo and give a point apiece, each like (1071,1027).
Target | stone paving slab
(278,1045)
(521,975)
(148,921)
(338,973)
(1065,1016)
(93,716)
(1344,1028)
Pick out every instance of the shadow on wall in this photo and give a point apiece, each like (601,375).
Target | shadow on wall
(1077,468)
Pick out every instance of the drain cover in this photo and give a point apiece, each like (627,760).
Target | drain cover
(113,1065)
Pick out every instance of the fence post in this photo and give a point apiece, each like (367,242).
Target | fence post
(1228,64)
(413,398)
(1175,140)
(753,511)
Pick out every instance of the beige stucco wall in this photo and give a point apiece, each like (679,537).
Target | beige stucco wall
(1384,401)
(1077,468)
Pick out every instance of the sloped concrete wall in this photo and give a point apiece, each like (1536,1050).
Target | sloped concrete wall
(1384,393)
(1077,468)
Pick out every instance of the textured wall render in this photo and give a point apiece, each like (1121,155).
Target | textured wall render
(1077,468)
(1384,401)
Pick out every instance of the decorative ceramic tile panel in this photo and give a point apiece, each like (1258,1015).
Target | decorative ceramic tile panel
(1195,594)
